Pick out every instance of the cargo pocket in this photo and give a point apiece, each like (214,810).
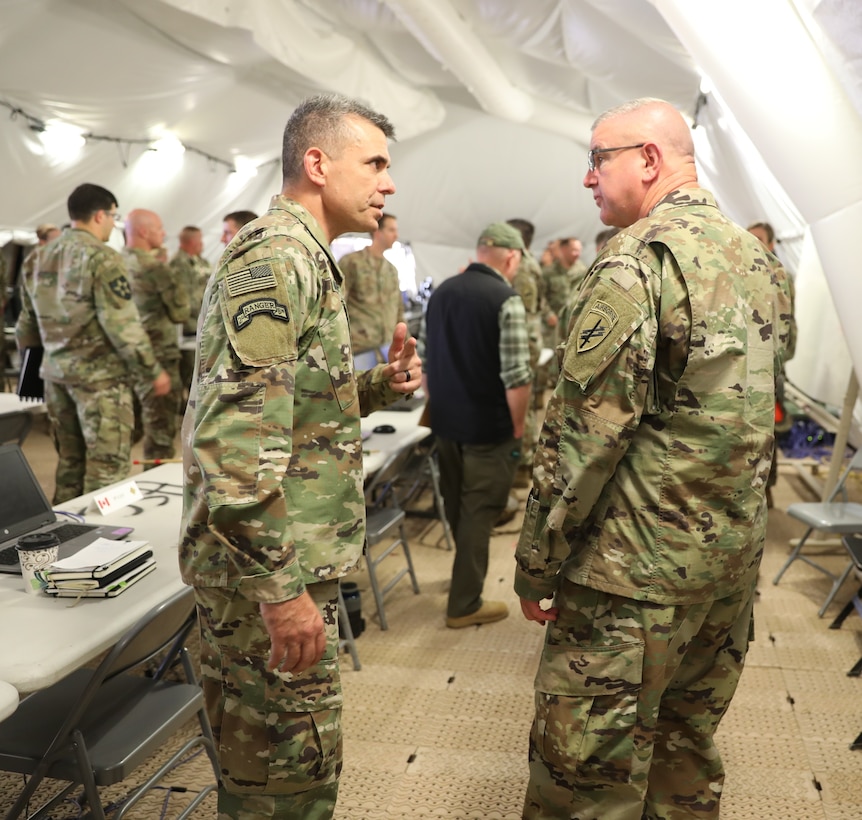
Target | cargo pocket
(278,736)
(586,710)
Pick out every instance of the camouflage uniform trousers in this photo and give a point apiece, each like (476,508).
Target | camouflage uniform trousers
(159,415)
(628,697)
(92,428)
(278,736)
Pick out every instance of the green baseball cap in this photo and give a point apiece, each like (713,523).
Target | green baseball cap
(501,235)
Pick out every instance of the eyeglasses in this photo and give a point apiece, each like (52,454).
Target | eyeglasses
(115,215)
(594,152)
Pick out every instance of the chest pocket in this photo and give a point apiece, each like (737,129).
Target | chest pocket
(334,336)
(257,311)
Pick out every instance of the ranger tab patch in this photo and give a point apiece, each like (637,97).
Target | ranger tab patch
(248,310)
(596,326)
(257,277)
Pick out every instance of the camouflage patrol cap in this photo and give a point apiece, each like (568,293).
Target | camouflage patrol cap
(501,235)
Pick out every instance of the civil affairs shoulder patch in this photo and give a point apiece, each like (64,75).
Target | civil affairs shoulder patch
(121,287)
(248,280)
(248,310)
(596,325)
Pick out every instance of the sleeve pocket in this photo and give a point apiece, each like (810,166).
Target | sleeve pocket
(229,460)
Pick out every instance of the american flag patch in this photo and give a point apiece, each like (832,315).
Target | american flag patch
(258,277)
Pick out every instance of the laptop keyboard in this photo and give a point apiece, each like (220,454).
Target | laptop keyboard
(64,532)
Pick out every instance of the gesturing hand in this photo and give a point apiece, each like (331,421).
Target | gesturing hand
(404,371)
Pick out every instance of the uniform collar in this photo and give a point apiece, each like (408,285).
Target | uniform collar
(303,215)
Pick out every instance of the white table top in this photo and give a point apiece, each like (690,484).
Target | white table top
(379,446)
(44,639)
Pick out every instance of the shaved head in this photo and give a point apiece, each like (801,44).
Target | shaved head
(654,120)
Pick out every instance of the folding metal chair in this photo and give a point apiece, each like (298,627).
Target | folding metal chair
(385,522)
(830,516)
(95,727)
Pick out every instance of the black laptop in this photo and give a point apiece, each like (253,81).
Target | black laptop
(25,510)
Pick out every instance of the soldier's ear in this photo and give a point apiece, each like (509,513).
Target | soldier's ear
(316,164)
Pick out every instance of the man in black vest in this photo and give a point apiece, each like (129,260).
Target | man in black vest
(478,371)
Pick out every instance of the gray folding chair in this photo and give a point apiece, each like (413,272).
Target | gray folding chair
(95,727)
(385,523)
(829,516)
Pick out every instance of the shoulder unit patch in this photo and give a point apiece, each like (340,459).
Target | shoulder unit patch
(596,325)
(121,287)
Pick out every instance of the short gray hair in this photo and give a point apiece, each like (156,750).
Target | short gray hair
(626,108)
(319,121)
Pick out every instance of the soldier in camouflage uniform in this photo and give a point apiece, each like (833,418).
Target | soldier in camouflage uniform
(163,302)
(372,290)
(77,303)
(647,517)
(528,285)
(190,268)
(274,513)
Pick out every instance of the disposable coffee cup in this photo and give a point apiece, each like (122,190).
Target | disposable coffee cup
(36,552)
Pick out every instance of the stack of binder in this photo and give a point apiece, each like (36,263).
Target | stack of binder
(104,569)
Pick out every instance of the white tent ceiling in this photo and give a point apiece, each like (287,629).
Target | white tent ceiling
(492,101)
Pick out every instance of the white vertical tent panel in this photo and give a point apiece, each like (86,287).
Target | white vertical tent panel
(794,109)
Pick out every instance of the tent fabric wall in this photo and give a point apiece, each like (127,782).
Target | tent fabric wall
(224,76)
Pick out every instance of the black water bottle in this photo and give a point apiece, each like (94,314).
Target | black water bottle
(353,605)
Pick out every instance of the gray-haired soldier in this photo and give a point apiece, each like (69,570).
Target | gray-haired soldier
(77,303)
(274,512)
(163,303)
(647,517)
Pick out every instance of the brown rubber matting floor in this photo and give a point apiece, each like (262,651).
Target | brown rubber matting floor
(436,721)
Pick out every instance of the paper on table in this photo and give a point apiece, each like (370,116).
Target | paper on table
(102,551)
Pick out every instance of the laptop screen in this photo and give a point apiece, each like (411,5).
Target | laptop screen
(23,506)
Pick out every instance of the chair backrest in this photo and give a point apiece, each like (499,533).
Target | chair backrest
(855,464)
(379,491)
(164,627)
(15,426)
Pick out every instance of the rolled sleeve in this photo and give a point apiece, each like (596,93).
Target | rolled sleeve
(514,344)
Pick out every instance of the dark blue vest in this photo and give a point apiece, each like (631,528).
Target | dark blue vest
(468,399)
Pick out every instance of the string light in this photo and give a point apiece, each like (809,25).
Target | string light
(173,147)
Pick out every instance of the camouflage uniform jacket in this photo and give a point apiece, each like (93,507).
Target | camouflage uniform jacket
(527,282)
(193,272)
(373,296)
(649,479)
(273,495)
(162,300)
(77,303)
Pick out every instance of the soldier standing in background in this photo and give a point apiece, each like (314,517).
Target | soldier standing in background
(232,222)
(372,290)
(163,302)
(77,303)
(190,268)
(647,518)
(274,512)
(528,285)
(45,233)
